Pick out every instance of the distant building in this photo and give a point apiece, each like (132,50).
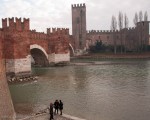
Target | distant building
(131,39)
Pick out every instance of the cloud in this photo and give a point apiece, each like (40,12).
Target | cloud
(57,13)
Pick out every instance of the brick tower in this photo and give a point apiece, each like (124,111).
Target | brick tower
(79,25)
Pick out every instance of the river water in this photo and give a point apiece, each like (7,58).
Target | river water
(109,90)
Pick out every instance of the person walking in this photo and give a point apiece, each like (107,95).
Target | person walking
(51,111)
(60,106)
(56,105)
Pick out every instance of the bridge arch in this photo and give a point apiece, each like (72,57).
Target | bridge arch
(72,52)
(39,55)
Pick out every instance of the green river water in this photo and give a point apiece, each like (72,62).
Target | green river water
(109,90)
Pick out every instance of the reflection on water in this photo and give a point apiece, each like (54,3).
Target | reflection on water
(107,92)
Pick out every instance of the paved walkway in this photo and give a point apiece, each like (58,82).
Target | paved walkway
(45,116)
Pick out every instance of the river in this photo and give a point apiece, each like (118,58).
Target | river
(109,90)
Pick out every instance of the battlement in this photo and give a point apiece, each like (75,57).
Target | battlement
(109,31)
(33,30)
(78,5)
(101,31)
(16,24)
(64,31)
(38,35)
(131,28)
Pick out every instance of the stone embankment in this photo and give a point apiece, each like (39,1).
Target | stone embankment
(20,79)
(116,56)
(44,115)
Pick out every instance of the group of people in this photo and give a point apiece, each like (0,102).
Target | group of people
(58,105)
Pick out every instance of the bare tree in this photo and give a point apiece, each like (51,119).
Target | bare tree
(120,25)
(146,16)
(114,28)
(113,23)
(120,21)
(141,34)
(126,21)
(135,20)
(140,16)
(145,19)
(126,24)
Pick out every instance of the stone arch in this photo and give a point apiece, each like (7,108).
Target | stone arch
(39,47)
(72,49)
(39,55)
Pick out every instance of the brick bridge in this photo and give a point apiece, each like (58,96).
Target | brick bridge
(19,43)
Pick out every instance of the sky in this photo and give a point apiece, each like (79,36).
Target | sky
(57,13)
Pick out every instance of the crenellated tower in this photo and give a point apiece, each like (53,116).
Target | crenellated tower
(79,25)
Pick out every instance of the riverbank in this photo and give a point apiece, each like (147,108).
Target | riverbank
(21,79)
(115,56)
(45,116)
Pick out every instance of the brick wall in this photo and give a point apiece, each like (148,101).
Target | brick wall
(6,106)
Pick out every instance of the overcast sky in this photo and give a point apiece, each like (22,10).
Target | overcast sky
(57,13)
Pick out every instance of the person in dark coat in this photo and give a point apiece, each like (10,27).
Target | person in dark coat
(60,106)
(56,105)
(51,111)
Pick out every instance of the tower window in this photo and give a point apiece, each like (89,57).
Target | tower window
(108,37)
(81,13)
(80,43)
(99,37)
(80,36)
(143,23)
(117,37)
(78,21)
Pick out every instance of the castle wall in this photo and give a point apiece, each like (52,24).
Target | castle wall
(132,38)
(107,37)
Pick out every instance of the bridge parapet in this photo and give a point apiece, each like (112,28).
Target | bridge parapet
(16,24)
(38,35)
(57,31)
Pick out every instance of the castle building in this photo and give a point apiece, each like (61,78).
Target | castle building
(131,39)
